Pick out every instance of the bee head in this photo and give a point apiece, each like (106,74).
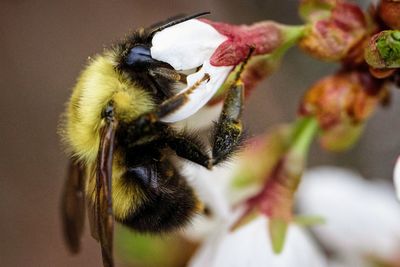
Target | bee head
(139,55)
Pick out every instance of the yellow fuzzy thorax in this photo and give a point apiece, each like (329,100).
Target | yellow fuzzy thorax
(99,84)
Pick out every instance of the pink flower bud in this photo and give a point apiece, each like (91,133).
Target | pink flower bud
(331,37)
(345,95)
(342,103)
(265,37)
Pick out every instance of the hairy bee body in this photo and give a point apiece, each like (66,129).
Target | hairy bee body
(123,148)
(136,203)
(98,84)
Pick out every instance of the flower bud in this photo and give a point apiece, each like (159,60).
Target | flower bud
(260,156)
(276,198)
(311,10)
(389,12)
(345,95)
(383,50)
(334,30)
(342,103)
(264,36)
(270,42)
(341,137)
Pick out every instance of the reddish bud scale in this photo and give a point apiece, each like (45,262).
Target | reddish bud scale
(255,73)
(265,37)
(275,199)
(389,12)
(348,17)
(382,73)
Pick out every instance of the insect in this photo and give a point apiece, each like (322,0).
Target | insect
(121,151)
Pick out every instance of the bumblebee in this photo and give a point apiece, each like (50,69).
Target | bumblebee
(121,151)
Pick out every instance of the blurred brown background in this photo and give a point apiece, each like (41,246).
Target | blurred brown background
(44,45)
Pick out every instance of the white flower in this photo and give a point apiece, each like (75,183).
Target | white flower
(362,217)
(202,119)
(186,46)
(250,246)
(211,187)
(396,177)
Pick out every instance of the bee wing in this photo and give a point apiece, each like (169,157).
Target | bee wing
(103,224)
(73,206)
(92,216)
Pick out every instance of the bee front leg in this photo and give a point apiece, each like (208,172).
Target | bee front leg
(149,124)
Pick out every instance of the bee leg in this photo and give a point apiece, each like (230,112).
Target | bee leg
(184,144)
(227,135)
(187,146)
(147,124)
(169,74)
(177,101)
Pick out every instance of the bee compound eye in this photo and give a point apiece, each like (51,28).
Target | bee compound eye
(138,55)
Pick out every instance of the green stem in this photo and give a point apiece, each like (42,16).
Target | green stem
(303,134)
(292,35)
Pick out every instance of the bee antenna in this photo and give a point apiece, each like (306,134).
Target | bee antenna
(177,21)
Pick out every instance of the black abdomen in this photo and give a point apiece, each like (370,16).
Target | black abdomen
(169,202)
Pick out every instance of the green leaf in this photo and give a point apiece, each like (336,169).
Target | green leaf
(277,230)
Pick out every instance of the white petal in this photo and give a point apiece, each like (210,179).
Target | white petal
(396,177)
(362,218)
(203,93)
(186,45)
(203,118)
(211,187)
(250,246)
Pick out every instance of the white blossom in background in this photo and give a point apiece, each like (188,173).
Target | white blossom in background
(396,178)
(362,217)
(211,187)
(187,46)
(250,246)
